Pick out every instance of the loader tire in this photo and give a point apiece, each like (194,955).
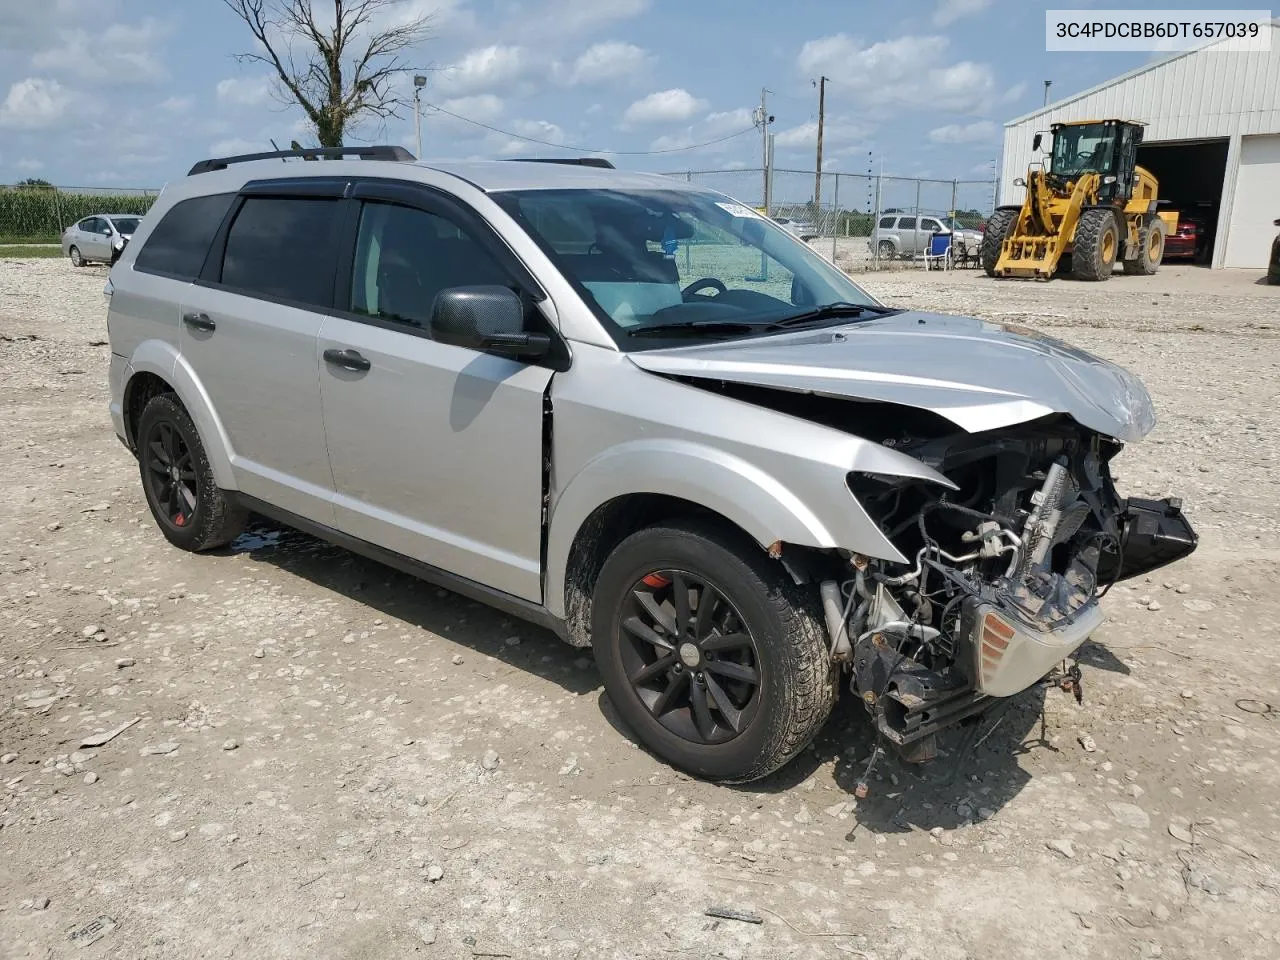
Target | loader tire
(998,228)
(1150,249)
(1096,245)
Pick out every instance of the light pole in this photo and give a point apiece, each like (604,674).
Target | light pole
(419,82)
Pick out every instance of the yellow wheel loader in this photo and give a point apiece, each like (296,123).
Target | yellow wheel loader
(1091,206)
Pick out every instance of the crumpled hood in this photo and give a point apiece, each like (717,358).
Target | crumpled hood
(981,376)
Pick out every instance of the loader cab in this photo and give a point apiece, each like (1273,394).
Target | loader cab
(1108,148)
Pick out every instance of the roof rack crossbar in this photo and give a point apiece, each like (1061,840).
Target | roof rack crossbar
(574,161)
(306,153)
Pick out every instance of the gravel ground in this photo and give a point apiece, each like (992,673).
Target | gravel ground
(332,760)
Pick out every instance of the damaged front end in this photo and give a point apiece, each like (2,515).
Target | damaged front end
(1005,572)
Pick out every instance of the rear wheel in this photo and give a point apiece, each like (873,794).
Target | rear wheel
(76,259)
(886,250)
(709,653)
(190,509)
(998,228)
(1096,245)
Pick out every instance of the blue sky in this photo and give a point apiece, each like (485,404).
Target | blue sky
(131,92)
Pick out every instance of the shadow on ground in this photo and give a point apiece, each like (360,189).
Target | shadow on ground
(388,591)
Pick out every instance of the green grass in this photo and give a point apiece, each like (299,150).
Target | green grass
(26,251)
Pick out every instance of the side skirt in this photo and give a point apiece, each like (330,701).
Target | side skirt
(514,606)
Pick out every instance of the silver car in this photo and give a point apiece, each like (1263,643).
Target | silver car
(909,235)
(722,465)
(99,238)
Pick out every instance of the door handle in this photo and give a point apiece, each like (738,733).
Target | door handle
(199,321)
(347,359)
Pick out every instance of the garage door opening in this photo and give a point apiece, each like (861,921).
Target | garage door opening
(1191,174)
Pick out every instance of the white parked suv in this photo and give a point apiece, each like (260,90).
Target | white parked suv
(743,488)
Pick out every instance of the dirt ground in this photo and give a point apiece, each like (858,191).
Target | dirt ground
(330,759)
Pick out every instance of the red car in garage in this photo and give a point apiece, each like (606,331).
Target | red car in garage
(1184,243)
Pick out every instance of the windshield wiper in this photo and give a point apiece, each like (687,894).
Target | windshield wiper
(696,326)
(830,311)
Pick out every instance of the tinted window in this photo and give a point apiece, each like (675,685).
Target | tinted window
(178,244)
(886,222)
(404,257)
(907,223)
(86,224)
(283,247)
(928,224)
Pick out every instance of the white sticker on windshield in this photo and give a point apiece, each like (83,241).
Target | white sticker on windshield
(736,209)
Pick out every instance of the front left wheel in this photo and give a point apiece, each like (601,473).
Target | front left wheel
(191,510)
(709,652)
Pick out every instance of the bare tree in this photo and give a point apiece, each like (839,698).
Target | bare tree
(345,64)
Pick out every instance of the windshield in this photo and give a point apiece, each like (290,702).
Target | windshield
(1086,148)
(126,224)
(674,258)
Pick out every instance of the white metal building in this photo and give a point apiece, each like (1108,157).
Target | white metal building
(1212,139)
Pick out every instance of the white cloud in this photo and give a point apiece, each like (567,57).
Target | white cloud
(485,70)
(665,106)
(34,102)
(974,132)
(570,17)
(949,11)
(27,165)
(804,135)
(711,127)
(122,53)
(236,145)
(485,107)
(608,61)
(244,91)
(908,71)
(176,104)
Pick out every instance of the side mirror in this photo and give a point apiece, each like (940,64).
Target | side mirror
(1276,222)
(1019,182)
(486,318)
(1036,141)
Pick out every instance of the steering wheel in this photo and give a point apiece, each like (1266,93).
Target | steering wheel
(706,283)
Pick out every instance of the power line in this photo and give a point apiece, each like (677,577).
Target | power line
(578,149)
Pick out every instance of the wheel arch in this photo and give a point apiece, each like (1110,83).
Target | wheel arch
(158,368)
(602,505)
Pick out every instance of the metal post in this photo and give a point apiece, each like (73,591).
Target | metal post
(915,234)
(817,176)
(688,251)
(875,219)
(836,213)
(417,121)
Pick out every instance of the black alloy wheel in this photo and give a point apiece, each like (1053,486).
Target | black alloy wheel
(170,471)
(689,657)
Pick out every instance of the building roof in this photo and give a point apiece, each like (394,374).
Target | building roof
(1115,81)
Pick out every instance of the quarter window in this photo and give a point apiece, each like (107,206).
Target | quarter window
(282,247)
(405,257)
(179,243)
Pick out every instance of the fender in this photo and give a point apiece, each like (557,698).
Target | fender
(161,359)
(758,502)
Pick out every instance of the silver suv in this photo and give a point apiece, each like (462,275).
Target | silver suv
(901,235)
(638,413)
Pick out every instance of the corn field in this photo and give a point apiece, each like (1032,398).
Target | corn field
(40,214)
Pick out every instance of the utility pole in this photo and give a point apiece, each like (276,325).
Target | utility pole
(762,120)
(1047,85)
(418,83)
(817,176)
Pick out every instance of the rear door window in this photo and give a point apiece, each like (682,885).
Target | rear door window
(907,223)
(283,248)
(179,243)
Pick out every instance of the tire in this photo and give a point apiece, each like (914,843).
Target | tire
(885,250)
(1151,249)
(76,259)
(780,642)
(998,229)
(191,510)
(1097,242)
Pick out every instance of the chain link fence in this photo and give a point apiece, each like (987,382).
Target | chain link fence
(850,205)
(38,213)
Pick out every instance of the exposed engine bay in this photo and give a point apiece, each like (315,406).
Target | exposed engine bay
(1005,571)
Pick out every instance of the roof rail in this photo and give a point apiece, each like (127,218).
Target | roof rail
(306,153)
(573,161)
